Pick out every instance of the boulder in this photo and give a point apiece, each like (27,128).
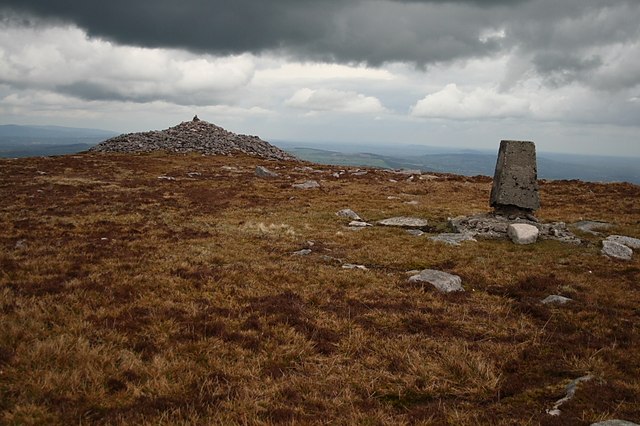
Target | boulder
(555,299)
(632,243)
(522,233)
(442,281)
(404,222)
(265,173)
(616,250)
(349,214)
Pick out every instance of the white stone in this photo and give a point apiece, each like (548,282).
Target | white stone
(404,222)
(349,214)
(522,233)
(616,250)
(632,243)
(353,266)
(444,282)
(310,184)
(359,224)
(555,299)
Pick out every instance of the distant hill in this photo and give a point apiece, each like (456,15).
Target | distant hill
(471,163)
(32,141)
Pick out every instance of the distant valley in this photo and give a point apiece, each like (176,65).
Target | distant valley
(32,141)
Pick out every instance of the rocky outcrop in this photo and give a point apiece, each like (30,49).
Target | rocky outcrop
(193,136)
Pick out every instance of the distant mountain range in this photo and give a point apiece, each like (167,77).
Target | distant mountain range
(471,162)
(27,141)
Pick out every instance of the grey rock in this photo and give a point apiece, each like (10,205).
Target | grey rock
(194,174)
(515,182)
(166,177)
(263,172)
(616,250)
(21,244)
(349,214)
(442,281)
(592,226)
(412,202)
(404,222)
(615,422)
(415,232)
(310,184)
(570,391)
(453,239)
(359,224)
(632,243)
(193,136)
(555,299)
(494,226)
(523,233)
(354,266)
(303,252)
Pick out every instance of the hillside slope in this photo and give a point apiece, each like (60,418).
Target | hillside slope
(156,289)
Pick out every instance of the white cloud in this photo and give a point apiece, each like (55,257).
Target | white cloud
(452,102)
(335,100)
(65,60)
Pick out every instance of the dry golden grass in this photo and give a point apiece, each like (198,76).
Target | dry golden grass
(128,299)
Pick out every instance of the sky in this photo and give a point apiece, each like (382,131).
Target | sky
(466,73)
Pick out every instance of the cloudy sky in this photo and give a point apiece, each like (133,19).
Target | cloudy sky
(464,73)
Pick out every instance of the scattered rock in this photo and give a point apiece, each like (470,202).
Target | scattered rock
(359,173)
(616,250)
(407,172)
(310,184)
(353,266)
(193,136)
(263,172)
(349,214)
(592,226)
(453,238)
(522,233)
(632,243)
(412,202)
(615,422)
(555,299)
(404,222)
(336,175)
(570,393)
(194,174)
(303,252)
(428,177)
(494,226)
(359,224)
(415,232)
(21,244)
(442,281)
(230,169)
(166,177)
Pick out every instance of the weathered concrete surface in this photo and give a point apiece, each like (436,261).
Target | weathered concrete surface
(515,182)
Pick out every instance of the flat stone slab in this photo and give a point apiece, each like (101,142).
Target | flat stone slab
(616,250)
(523,233)
(348,214)
(515,182)
(592,226)
(359,224)
(555,299)
(442,281)
(310,184)
(632,243)
(615,422)
(404,222)
(354,266)
(453,239)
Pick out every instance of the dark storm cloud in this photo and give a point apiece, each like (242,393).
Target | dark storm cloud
(556,35)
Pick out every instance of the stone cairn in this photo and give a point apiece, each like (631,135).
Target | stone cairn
(193,136)
(514,198)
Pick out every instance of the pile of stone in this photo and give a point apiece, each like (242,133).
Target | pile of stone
(193,136)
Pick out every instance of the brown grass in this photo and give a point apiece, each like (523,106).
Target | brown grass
(128,299)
